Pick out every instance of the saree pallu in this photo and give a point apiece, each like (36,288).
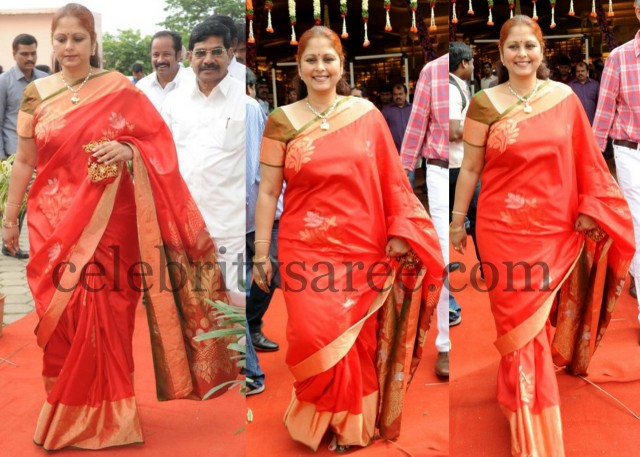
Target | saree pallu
(541,171)
(96,247)
(357,320)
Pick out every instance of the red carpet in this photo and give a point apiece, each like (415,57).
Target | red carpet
(425,423)
(171,429)
(594,424)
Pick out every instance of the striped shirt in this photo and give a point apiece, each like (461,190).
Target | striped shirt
(428,129)
(618,112)
(256,120)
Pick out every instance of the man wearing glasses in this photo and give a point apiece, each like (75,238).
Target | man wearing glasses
(208,124)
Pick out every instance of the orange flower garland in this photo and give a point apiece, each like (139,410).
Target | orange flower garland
(268,5)
(365,19)
(251,38)
(387,7)
(292,20)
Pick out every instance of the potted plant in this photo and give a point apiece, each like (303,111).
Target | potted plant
(5,174)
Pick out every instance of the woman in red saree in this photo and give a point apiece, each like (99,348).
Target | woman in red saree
(554,233)
(354,337)
(97,242)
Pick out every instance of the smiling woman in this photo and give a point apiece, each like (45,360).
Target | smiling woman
(548,202)
(345,206)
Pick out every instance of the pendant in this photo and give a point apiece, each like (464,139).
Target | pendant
(75,99)
(527,108)
(324,125)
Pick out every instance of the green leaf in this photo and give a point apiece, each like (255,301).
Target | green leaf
(222,386)
(241,348)
(220,333)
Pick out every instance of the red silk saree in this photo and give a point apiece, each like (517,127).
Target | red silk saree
(96,246)
(357,321)
(541,171)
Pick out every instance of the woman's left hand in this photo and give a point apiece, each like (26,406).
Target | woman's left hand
(113,152)
(585,223)
(396,247)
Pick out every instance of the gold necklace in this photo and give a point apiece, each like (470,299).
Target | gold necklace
(527,106)
(74,98)
(324,125)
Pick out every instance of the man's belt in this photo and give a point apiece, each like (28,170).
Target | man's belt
(438,163)
(626,144)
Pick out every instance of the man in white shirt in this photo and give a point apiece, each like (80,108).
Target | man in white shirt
(208,124)
(236,69)
(166,54)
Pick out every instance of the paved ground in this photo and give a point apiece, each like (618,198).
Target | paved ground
(13,284)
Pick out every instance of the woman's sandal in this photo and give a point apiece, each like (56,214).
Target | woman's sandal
(339,448)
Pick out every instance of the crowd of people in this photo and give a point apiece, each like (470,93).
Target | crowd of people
(190,173)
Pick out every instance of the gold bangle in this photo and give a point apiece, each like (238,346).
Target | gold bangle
(456,229)
(459,213)
(256,259)
(262,241)
(8,224)
(15,205)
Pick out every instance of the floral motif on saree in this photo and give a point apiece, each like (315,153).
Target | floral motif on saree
(356,337)
(95,247)
(533,189)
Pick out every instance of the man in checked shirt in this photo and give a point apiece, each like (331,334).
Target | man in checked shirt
(428,133)
(618,116)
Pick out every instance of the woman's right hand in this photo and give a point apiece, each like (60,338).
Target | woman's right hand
(10,237)
(458,238)
(262,274)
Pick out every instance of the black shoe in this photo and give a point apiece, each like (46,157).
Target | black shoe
(262,343)
(454,266)
(20,254)
(254,390)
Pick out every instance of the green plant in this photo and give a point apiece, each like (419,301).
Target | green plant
(234,321)
(5,175)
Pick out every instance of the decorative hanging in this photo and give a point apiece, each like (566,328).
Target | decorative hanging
(251,38)
(316,12)
(535,11)
(571,11)
(553,14)
(268,5)
(593,9)
(471,12)
(454,16)
(413,5)
(610,13)
(432,27)
(343,13)
(365,19)
(387,7)
(292,20)
(511,7)
(490,21)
